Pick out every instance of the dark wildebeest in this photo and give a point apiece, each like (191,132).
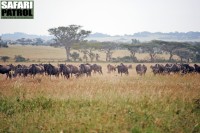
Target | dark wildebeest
(172,68)
(157,69)
(186,68)
(197,68)
(111,68)
(35,69)
(97,68)
(85,68)
(73,69)
(21,70)
(122,69)
(141,69)
(7,69)
(52,70)
(65,70)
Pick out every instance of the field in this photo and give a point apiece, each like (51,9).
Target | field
(101,103)
(47,53)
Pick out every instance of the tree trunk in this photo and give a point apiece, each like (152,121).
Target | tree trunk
(152,57)
(170,57)
(106,56)
(181,59)
(133,56)
(67,53)
(188,60)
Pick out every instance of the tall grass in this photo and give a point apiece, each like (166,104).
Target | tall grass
(101,103)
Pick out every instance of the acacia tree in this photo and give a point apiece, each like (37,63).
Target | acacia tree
(74,56)
(68,36)
(5,58)
(184,53)
(107,48)
(88,52)
(133,49)
(152,49)
(170,47)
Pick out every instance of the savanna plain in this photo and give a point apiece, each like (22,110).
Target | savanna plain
(100,103)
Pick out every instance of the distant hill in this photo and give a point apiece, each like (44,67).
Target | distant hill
(142,36)
(18,35)
(98,35)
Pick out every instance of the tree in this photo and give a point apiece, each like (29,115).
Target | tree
(151,48)
(38,41)
(3,44)
(107,47)
(85,57)
(170,47)
(133,49)
(5,58)
(184,53)
(97,57)
(135,41)
(75,56)
(68,36)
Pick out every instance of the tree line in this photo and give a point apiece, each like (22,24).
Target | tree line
(74,36)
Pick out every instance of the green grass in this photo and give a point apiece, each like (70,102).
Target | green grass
(108,103)
(101,103)
(48,115)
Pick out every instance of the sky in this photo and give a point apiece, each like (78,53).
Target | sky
(114,17)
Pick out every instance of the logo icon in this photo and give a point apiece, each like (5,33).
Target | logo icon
(16,9)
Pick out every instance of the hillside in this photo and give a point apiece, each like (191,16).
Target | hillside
(142,36)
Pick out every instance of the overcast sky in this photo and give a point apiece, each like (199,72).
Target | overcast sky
(114,17)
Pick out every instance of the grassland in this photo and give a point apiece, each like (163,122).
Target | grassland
(47,53)
(101,103)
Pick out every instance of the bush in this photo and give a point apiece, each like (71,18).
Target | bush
(19,58)
(5,58)
(122,59)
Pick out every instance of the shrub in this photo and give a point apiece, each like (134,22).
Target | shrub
(19,58)
(5,58)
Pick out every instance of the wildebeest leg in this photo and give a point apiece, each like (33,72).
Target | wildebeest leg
(101,71)
(7,75)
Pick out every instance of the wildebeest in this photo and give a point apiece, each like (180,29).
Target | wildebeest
(197,68)
(111,68)
(186,68)
(65,70)
(21,70)
(157,69)
(35,69)
(85,69)
(73,69)
(172,68)
(7,69)
(52,70)
(97,68)
(122,69)
(141,69)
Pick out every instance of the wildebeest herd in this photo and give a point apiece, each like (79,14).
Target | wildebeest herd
(64,70)
(68,70)
(175,68)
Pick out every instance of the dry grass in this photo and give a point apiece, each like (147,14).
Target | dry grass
(102,103)
(47,53)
